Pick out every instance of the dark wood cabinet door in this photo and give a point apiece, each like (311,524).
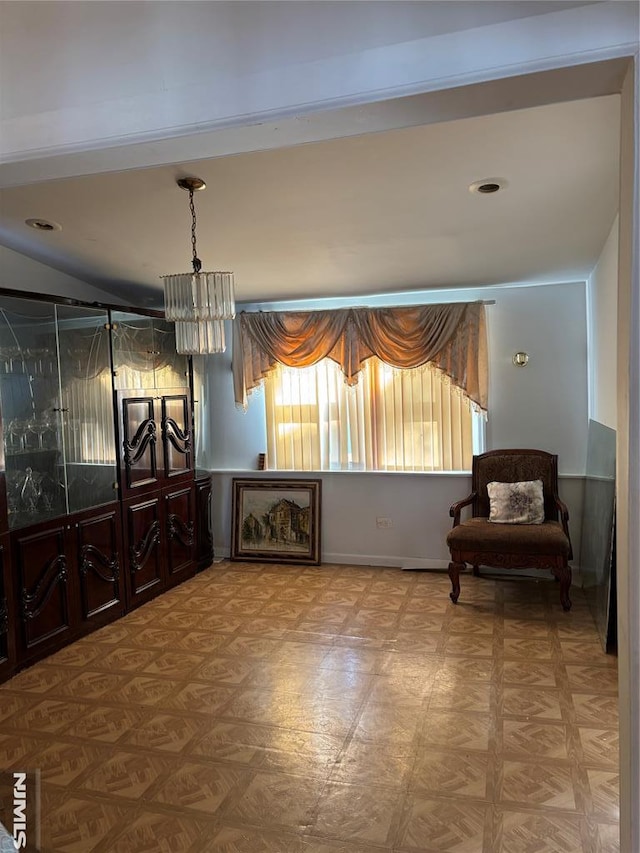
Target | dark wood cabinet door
(145,573)
(179,526)
(138,450)
(204,532)
(7,612)
(176,434)
(99,551)
(42,577)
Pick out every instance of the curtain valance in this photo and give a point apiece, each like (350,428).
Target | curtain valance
(450,337)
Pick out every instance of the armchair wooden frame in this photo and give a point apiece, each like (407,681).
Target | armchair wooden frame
(476,550)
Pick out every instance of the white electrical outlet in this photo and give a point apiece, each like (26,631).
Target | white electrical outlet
(384,522)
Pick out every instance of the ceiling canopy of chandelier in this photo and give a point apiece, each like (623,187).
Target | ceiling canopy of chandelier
(198,302)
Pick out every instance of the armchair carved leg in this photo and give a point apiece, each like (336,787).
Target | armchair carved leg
(563,574)
(476,571)
(454,575)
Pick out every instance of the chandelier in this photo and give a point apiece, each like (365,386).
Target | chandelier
(198,302)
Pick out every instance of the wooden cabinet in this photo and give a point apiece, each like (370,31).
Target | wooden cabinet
(99,569)
(7,614)
(160,536)
(99,511)
(143,530)
(178,505)
(67,579)
(204,531)
(155,449)
(41,565)
(154,415)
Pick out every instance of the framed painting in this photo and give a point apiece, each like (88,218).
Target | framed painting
(276,521)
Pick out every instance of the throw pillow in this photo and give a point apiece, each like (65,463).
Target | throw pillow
(516,503)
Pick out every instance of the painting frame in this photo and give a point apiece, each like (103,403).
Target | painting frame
(276,520)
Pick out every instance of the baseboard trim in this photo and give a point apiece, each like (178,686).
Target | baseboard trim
(417,564)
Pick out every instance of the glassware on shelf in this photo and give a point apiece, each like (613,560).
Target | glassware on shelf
(13,436)
(31,490)
(49,430)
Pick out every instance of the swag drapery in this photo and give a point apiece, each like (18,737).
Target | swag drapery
(450,337)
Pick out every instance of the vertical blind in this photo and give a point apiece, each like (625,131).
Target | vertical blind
(392,420)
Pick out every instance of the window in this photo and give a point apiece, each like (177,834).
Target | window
(392,420)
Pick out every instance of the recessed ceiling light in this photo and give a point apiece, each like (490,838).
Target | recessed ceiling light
(488,186)
(43,225)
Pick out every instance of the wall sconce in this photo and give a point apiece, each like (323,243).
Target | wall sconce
(520,359)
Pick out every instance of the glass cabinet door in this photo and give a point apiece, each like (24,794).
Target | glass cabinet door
(31,416)
(144,353)
(87,406)
(57,409)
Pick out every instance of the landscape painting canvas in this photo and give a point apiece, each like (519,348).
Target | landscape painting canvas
(276,520)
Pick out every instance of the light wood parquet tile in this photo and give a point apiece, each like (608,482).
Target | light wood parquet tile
(608,838)
(81,824)
(430,824)
(277,800)
(124,659)
(604,786)
(600,746)
(387,765)
(63,762)
(537,784)
(127,775)
(152,832)
(233,840)
(538,833)
(91,684)
(425,644)
(595,709)
(530,673)
(331,709)
(464,731)
(17,750)
(535,739)
(196,787)
(469,646)
(453,696)
(451,774)
(48,716)
(357,813)
(40,679)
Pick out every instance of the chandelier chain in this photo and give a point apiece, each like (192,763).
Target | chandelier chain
(197,264)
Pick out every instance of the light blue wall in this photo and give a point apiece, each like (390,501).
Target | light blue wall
(543,405)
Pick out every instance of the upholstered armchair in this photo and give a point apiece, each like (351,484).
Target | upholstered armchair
(480,541)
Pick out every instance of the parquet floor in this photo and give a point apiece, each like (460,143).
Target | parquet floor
(280,709)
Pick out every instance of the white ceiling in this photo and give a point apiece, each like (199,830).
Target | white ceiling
(361,215)
(392,109)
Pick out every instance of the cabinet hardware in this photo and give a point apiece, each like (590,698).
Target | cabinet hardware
(60,410)
(153,352)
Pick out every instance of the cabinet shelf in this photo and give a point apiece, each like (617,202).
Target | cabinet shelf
(37,451)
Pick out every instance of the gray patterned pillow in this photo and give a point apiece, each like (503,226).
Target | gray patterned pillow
(516,503)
